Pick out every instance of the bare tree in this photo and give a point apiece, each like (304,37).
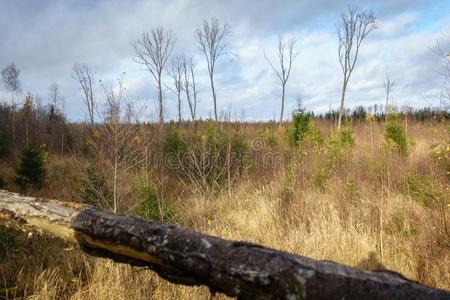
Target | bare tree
(176,73)
(10,78)
(352,28)
(286,56)
(153,51)
(115,143)
(189,85)
(55,98)
(444,55)
(407,110)
(85,77)
(388,86)
(28,113)
(56,115)
(211,38)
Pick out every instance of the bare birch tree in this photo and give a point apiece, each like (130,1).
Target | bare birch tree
(352,28)
(10,78)
(56,101)
(388,86)
(84,75)
(286,56)
(176,73)
(55,98)
(211,38)
(116,143)
(189,85)
(153,51)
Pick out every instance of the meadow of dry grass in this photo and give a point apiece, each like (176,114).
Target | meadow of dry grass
(369,208)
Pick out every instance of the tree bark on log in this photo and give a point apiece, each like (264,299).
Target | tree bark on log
(183,256)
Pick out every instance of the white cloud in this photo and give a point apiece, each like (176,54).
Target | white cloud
(46,39)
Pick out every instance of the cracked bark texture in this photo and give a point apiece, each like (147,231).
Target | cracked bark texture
(187,257)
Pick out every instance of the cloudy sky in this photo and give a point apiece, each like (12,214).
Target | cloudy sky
(45,38)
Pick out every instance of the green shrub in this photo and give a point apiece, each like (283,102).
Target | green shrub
(396,138)
(271,139)
(149,206)
(31,170)
(441,154)
(300,126)
(339,148)
(173,143)
(314,135)
(320,178)
(208,157)
(426,192)
(346,137)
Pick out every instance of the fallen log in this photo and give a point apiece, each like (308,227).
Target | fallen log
(183,256)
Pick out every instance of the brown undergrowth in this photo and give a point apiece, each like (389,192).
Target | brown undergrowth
(363,204)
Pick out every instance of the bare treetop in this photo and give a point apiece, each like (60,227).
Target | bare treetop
(10,78)
(352,28)
(154,49)
(389,84)
(211,40)
(85,77)
(55,97)
(176,72)
(189,84)
(114,96)
(444,55)
(286,55)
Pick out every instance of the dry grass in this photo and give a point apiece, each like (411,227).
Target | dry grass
(339,221)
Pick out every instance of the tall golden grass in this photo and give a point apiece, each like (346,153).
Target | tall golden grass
(376,210)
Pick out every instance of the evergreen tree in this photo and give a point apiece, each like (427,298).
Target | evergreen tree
(31,170)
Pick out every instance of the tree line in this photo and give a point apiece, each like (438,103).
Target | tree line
(155,51)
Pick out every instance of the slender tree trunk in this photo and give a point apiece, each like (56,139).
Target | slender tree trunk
(229,165)
(52,134)
(371,136)
(161,111)
(193,117)
(115,182)
(13,125)
(116,163)
(194,95)
(283,88)
(381,234)
(386,107)
(90,112)
(62,140)
(211,77)
(179,108)
(189,101)
(26,134)
(406,124)
(341,108)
